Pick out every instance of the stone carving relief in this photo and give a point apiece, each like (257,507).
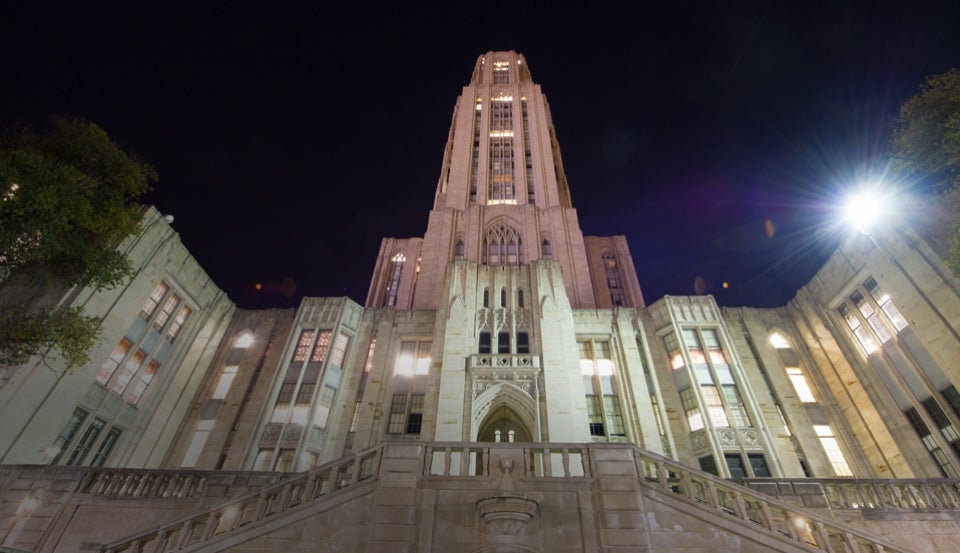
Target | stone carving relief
(727,437)
(271,433)
(750,437)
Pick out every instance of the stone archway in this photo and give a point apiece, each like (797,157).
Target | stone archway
(506,407)
(503,425)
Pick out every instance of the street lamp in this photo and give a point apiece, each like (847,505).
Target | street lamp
(866,206)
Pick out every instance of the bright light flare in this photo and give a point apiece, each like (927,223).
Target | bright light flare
(866,207)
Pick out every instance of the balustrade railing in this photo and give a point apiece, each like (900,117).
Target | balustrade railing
(537,460)
(272,500)
(843,493)
(143,483)
(786,519)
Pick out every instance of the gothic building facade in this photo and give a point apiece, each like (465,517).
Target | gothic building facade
(505,388)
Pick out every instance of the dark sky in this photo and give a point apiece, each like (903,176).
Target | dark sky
(290,138)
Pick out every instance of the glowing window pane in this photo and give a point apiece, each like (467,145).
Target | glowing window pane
(804,393)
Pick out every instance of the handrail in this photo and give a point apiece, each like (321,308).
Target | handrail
(879,493)
(282,496)
(747,505)
(540,460)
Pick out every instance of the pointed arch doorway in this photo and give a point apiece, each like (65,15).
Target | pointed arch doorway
(502,424)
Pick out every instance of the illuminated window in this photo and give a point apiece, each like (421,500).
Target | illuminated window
(863,336)
(153,301)
(501,72)
(200,435)
(800,385)
(225,381)
(886,304)
(138,356)
(875,307)
(712,373)
(833,451)
(393,286)
(411,370)
(778,341)
(501,186)
(245,340)
(604,413)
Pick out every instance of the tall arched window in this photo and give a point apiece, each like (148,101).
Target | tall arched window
(502,245)
(546,249)
(390,299)
(459,250)
(486,297)
(503,297)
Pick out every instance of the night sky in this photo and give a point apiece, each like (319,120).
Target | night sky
(290,138)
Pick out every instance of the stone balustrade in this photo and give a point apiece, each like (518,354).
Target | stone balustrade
(786,519)
(503,361)
(459,462)
(842,493)
(545,460)
(283,496)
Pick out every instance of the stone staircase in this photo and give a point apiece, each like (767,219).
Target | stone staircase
(509,486)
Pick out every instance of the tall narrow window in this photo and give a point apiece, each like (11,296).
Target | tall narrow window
(833,451)
(502,245)
(486,297)
(501,187)
(503,297)
(886,304)
(520,298)
(459,249)
(527,153)
(863,336)
(138,356)
(614,280)
(87,439)
(546,249)
(475,164)
(66,435)
(713,375)
(523,342)
(604,414)
(799,381)
(106,446)
(484,346)
(503,342)
(410,380)
(393,286)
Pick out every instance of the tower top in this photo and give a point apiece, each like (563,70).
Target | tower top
(500,67)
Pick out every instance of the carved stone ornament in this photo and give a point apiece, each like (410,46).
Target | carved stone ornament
(507,514)
(727,437)
(750,437)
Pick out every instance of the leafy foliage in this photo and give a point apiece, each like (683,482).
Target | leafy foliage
(926,145)
(27,332)
(67,198)
(926,137)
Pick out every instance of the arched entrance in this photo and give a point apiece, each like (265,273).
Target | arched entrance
(504,412)
(503,425)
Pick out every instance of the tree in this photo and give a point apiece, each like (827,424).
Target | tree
(67,198)
(926,145)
